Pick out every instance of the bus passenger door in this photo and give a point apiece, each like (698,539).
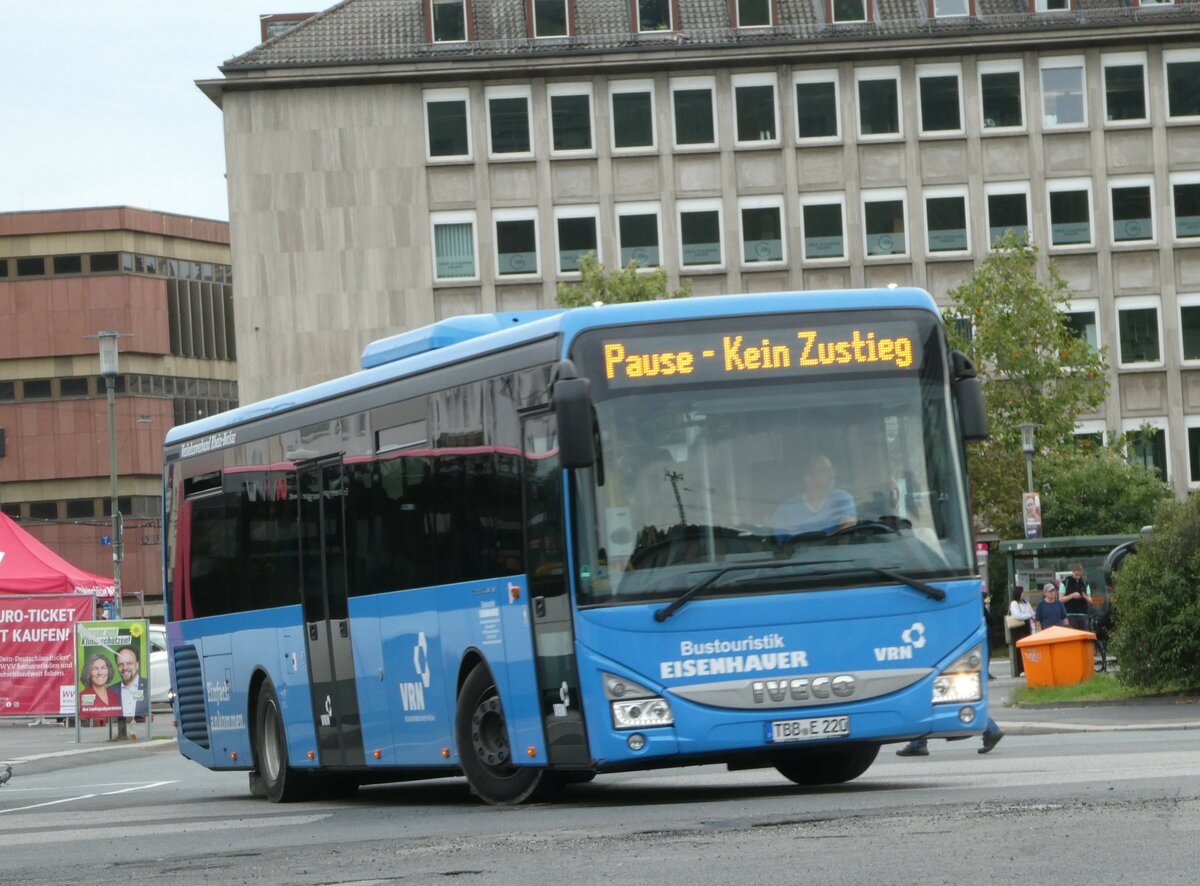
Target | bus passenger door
(326,614)
(549,595)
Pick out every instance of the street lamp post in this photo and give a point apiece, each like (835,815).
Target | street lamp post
(1027,447)
(108,371)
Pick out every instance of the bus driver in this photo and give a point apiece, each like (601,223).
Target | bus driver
(821,507)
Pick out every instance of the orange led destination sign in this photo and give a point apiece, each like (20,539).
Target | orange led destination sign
(882,347)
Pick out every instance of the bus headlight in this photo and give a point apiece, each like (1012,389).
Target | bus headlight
(634,706)
(962,680)
(641,713)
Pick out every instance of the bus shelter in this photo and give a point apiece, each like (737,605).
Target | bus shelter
(1031,562)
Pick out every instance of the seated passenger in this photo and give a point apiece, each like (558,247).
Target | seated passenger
(821,507)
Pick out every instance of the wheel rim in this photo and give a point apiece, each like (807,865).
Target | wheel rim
(271,754)
(489,736)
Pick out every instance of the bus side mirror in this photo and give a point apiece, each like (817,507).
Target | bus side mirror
(968,392)
(572,398)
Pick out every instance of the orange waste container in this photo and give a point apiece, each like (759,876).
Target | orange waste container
(1057,657)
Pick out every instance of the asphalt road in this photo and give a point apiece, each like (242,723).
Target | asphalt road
(1108,806)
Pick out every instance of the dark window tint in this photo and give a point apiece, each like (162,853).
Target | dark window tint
(81,509)
(1132,219)
(1189,321)
(1007,212)
(947,223)
(516,246)
(73,387)
(31,267)
(1069,219)
(939,104)
(244,544)
(693,117)
(639,239)
(68,264)
(8,390)
(1001,96)
(633,122)
(700,236)
(549,18)
(576,238)
(510,125)
(3,267)
(43,510)
(1183,89)
(654,15)
(447,123)
(571,122)
(823,235)
(1187,210)
(755,113)
(816,110)
(36,389)
(878,107)
(449,20)
(1194,454)
(1125,92)
(1138,328)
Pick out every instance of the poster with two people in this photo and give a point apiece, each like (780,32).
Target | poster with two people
(113,669)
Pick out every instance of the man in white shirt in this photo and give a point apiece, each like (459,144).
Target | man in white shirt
(134,698)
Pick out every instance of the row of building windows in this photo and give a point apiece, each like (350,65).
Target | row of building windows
(84,508)
(1131,203)
(73,387)
(1145,443)
(114,263)
(450,20)
(1140,339)
(877,90)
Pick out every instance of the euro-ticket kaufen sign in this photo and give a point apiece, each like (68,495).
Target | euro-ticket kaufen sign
(37,653)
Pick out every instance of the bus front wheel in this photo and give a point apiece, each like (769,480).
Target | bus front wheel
(483,749)
(279,781)
(833,765)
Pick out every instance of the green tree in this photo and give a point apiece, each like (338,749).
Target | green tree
(1034,368)
(1097,492)
(616,287)
(1157,603)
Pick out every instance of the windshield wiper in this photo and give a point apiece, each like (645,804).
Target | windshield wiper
(915,583)
(679,602)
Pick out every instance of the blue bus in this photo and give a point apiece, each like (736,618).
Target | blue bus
(532,548)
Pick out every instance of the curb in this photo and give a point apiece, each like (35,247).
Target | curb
(1060,728)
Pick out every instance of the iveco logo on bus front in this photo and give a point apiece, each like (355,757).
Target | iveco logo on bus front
(802,689)
(413,694)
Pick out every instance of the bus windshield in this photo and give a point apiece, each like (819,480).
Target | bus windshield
(786,466)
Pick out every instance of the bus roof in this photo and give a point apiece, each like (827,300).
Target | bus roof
(462,338)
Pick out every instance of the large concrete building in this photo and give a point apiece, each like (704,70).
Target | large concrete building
(165,282)
(394,162)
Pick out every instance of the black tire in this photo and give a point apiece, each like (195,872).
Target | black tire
(482,736)
(834,765)
(280,782)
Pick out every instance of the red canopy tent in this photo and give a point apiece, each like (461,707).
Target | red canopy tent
(29,567)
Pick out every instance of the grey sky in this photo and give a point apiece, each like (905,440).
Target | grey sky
(99,107)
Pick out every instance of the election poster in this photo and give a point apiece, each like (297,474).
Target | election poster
(112,669)
(37,656)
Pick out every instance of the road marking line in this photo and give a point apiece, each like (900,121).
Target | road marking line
(71,833)
(143,787)
(50,803)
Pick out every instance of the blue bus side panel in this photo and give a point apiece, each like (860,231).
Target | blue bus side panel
(887,629)
(408,648)
(232,648)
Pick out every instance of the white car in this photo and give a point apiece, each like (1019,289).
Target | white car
(160,672)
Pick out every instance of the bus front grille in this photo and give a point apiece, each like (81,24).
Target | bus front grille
(189,683)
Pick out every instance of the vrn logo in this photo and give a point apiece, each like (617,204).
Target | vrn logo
(913,638)
(413,694)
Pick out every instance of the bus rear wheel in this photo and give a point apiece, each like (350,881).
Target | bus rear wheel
(279,781)
(834,765)
(483,749)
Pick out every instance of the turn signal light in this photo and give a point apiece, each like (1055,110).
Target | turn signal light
(311,755)
(531,751)
(446,753)
(378,755)
(233,756)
